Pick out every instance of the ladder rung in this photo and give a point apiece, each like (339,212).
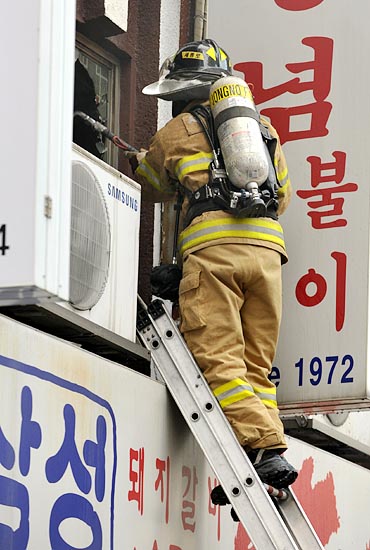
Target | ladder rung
(270,523)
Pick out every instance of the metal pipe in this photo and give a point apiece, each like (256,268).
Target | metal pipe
(200,19)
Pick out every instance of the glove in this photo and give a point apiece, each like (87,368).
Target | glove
(165,280)
(136,159)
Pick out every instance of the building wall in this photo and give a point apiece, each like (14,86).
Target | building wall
(154,30)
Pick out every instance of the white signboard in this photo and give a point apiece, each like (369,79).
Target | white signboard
(307,61)
(95,456)
(35,110)
(18,107)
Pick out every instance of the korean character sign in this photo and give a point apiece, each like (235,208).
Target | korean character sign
(307,64)
(58,455)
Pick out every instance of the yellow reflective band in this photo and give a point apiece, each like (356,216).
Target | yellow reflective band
(267,396)
(233,391)
(270,391)
(144,169)
(269,403)
(281,190)
(257,222)
(253,228)
(230,385)
(223,55)
(235,398)
(283,173)
(193,163)
(282,176)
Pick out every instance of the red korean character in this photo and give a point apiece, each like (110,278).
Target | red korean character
(171,546)
(214,509)
(281,117)
(188,505)
(136,477)
(163,467)
(318,112)
(324,195)
(319,282)
(338,168)
(297,5)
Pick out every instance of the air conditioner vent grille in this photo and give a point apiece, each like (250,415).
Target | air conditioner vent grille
(90,239)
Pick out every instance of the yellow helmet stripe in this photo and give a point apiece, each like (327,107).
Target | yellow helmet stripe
(211,52)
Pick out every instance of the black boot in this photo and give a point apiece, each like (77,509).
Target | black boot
(218,496)
(272,468)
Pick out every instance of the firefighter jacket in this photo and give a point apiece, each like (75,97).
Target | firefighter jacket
(180,152)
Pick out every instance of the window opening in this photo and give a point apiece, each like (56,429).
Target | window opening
(94,94)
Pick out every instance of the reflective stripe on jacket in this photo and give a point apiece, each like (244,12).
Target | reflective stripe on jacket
(180,152)
(202,232)
(193,163)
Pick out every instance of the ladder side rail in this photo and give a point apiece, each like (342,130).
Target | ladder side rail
(216,438)
(293,514)
(290,510)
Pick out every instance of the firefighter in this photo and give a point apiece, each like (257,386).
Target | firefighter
(230,294)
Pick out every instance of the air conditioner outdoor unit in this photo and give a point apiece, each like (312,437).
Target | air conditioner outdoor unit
(69,223)
(76,245)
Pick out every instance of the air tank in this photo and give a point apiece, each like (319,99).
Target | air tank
(238,131)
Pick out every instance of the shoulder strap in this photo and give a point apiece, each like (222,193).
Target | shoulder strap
(270,141)
(177,207)
(204,116)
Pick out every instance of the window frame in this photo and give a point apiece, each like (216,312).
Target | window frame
(99,55)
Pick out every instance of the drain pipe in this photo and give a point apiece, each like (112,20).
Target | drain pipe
(200,20)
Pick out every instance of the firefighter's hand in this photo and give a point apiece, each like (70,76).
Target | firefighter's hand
(136,159)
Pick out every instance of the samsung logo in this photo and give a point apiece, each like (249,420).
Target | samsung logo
(122,197)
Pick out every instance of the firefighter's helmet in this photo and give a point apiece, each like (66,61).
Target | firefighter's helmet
(190,73)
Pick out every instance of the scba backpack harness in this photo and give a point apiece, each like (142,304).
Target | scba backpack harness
(242,177)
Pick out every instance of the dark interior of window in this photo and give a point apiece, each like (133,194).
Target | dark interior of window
(95,77)
(86,101)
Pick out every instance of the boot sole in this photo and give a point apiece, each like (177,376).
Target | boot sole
(276,471)
(279,480)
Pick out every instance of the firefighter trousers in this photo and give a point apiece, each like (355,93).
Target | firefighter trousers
(230,305)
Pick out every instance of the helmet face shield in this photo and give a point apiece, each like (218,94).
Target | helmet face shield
(190,73)
(174,90)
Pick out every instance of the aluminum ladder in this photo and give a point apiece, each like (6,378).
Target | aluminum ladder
(271,523)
